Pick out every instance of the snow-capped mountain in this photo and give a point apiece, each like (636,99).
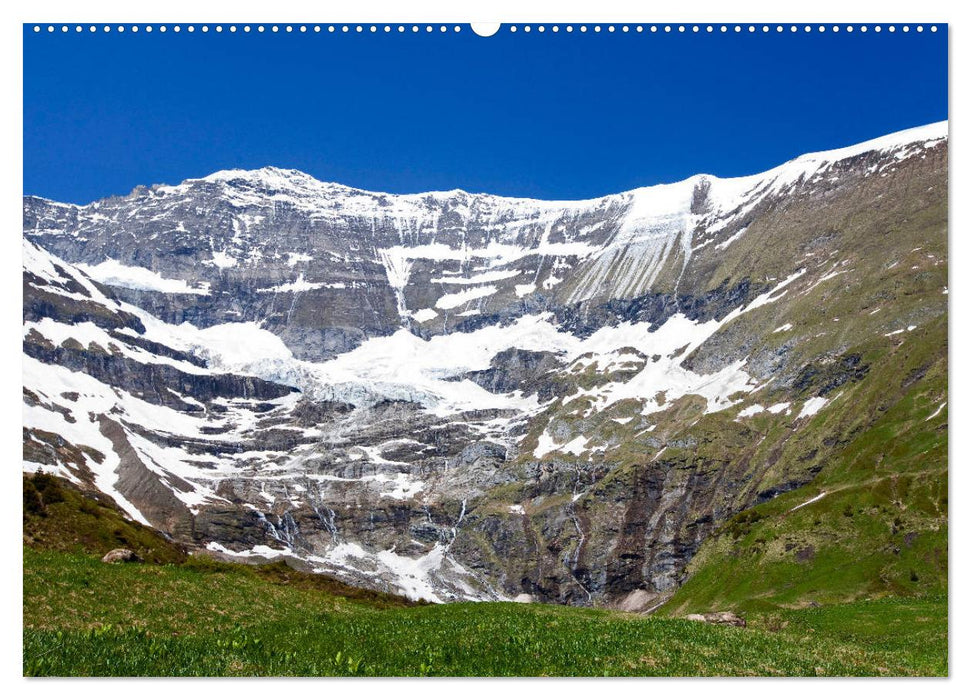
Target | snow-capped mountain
(461,395)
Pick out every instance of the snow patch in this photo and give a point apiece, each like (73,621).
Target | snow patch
(482,278)
(294,258)
(546,444)
(806,503)
(300,285)
(450,301)
(115,274)
(728,241)
(751,410)
(423,315)
(223,260)
(812,406)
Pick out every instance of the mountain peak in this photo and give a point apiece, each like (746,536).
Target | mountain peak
(268,175)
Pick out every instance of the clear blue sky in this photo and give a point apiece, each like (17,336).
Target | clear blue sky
(541,115)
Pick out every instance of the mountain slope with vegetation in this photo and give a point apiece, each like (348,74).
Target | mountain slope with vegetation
(82,617)
(200,617)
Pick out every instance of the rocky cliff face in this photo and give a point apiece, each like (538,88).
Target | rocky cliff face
(467,396)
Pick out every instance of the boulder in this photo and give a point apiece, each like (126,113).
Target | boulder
(120,555)
(718,618)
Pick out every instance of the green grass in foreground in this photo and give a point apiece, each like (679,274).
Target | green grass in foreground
(82,617)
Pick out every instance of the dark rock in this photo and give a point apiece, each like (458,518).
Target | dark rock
(821,379)
(807,553)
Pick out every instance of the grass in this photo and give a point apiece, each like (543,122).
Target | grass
(85,618)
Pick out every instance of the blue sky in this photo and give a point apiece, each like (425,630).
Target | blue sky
(560,116)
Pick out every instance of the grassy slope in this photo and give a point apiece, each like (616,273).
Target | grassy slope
(200,617)
(58,516)
(881,529)
(83,617)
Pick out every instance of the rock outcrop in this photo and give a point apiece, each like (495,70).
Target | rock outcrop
(718,618)
(116,556)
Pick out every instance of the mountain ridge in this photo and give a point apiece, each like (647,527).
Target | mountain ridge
(923,132)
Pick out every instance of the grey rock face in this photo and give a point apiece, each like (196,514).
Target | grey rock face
(309,260)
(519,370)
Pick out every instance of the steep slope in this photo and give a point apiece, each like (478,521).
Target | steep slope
(59,516)
(496,397)
(873,523)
